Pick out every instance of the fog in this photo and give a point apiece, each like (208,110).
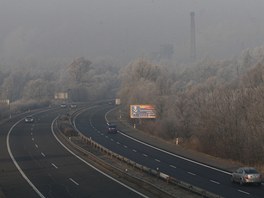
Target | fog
(57,30)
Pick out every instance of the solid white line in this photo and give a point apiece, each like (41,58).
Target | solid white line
(191,173)
(175,155)
(16,164)
(244,192)
(54,166)
(128,187)
(214,182)
(73,181)
(43,154)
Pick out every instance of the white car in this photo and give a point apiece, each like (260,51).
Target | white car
(29,119)
(246,175)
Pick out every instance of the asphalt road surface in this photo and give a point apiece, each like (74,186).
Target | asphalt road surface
(92,123)
(35,164)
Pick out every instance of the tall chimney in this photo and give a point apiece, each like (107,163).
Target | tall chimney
(193,42)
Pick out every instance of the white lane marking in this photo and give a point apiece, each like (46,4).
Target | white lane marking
(111,139)
(54,166)
(191,173)
(157,160)
(175,155)
(125,146)
(31,133)
(244,192)
(43,154)
(167,152)
(16,164)
(106,136)
(36,145)
(118,142)
(172,166)
(73,181)
(126,186)
(214,182)
(145,155)
(134,150)
(33,139)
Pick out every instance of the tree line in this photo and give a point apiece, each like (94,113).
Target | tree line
(212,106)
(215,107)
(82,79)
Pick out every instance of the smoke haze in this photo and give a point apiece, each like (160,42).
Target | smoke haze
(125,29)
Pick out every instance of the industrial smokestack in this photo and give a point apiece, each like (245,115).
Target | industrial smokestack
(193,42)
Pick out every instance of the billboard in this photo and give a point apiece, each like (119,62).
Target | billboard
(142,111)
(61,96)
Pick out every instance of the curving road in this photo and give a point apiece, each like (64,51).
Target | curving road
(92,123)
(35,164)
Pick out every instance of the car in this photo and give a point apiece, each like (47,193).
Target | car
(63,105)
(73,105)
(112,128)
(29,119)
(246,175)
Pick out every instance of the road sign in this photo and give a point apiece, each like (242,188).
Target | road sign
(142,111)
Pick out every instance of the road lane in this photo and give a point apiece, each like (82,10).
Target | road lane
(92,123)
(54,171)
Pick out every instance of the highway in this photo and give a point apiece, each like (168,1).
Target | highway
(92,123)
(35,164)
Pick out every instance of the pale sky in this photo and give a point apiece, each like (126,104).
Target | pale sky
(126,29)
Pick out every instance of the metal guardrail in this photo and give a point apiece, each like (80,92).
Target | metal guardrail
(169,179)
(150,171)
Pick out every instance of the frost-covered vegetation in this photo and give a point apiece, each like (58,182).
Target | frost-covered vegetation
(213,106)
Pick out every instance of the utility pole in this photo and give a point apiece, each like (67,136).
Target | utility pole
(193,41)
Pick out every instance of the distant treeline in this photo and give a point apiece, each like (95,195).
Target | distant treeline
(216,107)
(82,79)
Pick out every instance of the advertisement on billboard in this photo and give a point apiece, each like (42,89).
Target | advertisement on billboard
(61,96)
(142,111)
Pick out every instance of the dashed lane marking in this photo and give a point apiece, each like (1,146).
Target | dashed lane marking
(54,166)
(214,182)
(191,173)
(247,193)
(73,181)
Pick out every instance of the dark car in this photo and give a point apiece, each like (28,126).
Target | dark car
(246,175)
(112,128)
(29,119)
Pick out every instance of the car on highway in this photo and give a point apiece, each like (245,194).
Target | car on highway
(112,128)
(246,175)
(63,105)
(73,105)
(29,119)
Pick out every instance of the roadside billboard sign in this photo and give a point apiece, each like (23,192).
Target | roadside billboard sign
(61,95)
(142,111)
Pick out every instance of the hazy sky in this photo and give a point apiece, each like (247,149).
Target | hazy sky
(126,29)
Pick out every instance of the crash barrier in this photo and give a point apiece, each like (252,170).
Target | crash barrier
(153,172)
